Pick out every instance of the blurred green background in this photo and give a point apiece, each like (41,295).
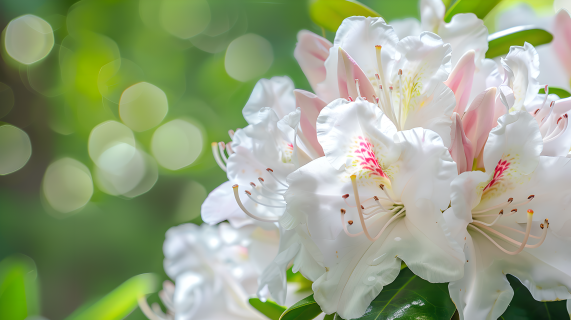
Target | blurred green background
(204,55)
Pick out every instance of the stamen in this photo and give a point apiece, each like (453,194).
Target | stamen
(515,230)
(501,205)
(543,121)
(144,306)
(271,172)
(231,133)
(381,71)
(523,243)
(221,147)
(263,195)
(352,235)
(543,235)
(235,187)
(249,194)
(229,148)
(217,156)
(262,182)
(493,222)
(351,99)
(382,186)
(361,216)
(557,135)
(357,86)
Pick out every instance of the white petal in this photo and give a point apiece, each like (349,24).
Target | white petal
(406,27)
(275,93)
(431,14)
(465,32)
(359,36)
(524,63)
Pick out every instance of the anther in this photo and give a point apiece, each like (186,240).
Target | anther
(531,198)
(253,184)
(351,99)
(350,222)
(269,170)
(541,226)
(501,211)
(343,211)
(514,210)
(400,72)
(382,186)
(248,192)
(345,196)
(362,207)
(510,200)
(535,112)
(261,179)
(376,198)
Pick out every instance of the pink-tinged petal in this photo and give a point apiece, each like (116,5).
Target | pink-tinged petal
(311,52)
(479,119)
(562,106)
(348,71)
(460,80)
(310,106)
(461,148)
(562,38)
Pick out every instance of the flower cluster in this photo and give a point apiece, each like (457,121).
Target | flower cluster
(413,148)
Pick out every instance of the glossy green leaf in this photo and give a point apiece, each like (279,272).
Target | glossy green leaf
(499,43)
(120,302)
(19,294)
(329,316)
(269,308)
(410,297)
(305,308)
(523,306)
(561,93)
(330,13)
(479,8)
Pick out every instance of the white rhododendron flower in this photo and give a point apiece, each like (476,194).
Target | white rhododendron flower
(372,201)
(514,218)
(278,139)
(215,270)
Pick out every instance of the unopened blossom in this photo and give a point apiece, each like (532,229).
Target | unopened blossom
(514,218)
(215,271)
(373,201)
(278,139)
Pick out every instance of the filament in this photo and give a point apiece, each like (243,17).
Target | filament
(235,187)
(543,121)
(271,172)
(144,306)
(231,134)
(382,186)
(229,148)
(491,223)
(553,137)
(217,156)
(361,216)
(357,86)
(501,205)
(263,204)
(523,243)
(222,147)
(261,194)
(263,183)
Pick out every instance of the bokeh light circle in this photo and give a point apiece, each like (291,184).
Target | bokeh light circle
(130,179)
(67,185)
(143,106)
(176,144)
(15,149)
(248,57)
(184,18)
(106,135)
(28,39)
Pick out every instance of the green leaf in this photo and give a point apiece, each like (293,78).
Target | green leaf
(304,284)
(329,316)
(19,293)
(523,306)
(120,302)
(561,93)
(305,308)
(499,43)
(330,13)
(479,8)
(269,308)
(410,297)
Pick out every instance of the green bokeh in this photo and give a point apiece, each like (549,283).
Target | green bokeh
(57,101)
